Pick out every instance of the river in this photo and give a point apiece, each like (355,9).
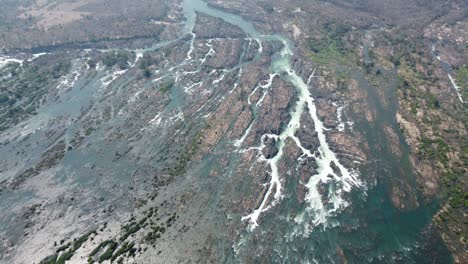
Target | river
(371,232)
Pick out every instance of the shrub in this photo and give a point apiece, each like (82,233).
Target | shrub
(108,253)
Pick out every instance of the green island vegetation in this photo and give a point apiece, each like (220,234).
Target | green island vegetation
(67,250)
(435,148)
(166,86)
(111,247)
(119,58)
(126,247)
(22,90)
(436,143)
(180,167)
(152,227)
(145,63)
(130,229)
(330,46)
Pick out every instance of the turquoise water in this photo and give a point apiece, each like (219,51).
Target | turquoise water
(370,230)
(366,228)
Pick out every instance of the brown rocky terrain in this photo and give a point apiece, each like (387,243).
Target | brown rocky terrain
(334,133)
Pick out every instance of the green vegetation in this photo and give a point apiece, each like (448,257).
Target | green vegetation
(182,161)
(116,250)
(166,87)
(330,46)
(458,197)
(129,230)
(152,236)
(22,91)
(91,63)
(408,81)
(155,233)
(50,259)
(242,96)
(67,255)
(62,248)
(157,230)
(126,247)
(77,243)
(341,81)
(437,150)
(119,58)
(147,73)
(171,220)
(99,247)
(441,146)
(433,149)
(151,211)
(108,253)
(461,78)
(144,64)
(146,61)
(64,257)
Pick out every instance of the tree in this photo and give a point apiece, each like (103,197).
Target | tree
(147,73)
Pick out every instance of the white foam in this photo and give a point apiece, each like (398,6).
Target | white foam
(210,52)
(4,60)
(452,81)
(106,80)
(138,56)
(324,158)
(456,87)
(191,49)
(339,117)
(216,81)
(260,47)
(37,55)
(241,140)
(189,89)
(264,87)
(156,120)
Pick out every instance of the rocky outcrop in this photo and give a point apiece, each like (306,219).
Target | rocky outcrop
(209,27)
(227,54)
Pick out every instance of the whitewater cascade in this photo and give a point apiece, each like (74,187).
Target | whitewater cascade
(344,180)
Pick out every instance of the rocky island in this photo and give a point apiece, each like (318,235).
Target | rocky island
(221,131)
